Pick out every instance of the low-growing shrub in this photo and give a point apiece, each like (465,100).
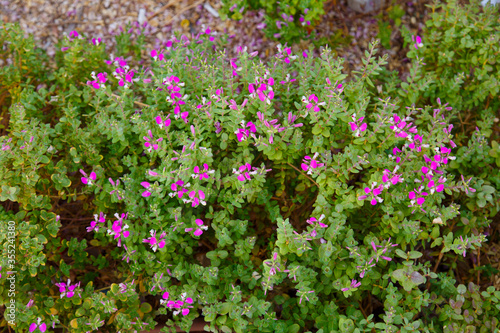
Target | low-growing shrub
(277,197)
(287,20)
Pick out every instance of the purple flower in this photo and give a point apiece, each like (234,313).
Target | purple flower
(88,180)
(199,230)
(42,327)
(146,193)
(154,242)
(93,224)
(67,289)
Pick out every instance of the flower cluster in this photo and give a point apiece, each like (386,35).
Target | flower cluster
(182,306)
(87,180)
(195,198)
(242,133)
(155,242)
(199,230)
(119,228)
(67,289)
(93,225)
(263,91)
(179,188)
(312,102)
(244,172)
(285,52)
(98,81)
(150,144)
(310,163)
(356,126)
(373,193)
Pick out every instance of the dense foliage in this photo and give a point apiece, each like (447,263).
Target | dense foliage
(264,197)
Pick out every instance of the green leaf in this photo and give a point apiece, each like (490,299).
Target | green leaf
(80,312)
(415,255)
(400,253)
(316,129)
(146,307)
(294,328)
(417,278)
(44,159)
(399,274)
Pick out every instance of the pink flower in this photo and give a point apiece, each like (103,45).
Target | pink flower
(154,242)
(244,172)
(162,123)
(194,199)
(313,164)
(115,186)
(354,284)
(146,193)
(96,41)
(118,228)
(67,289)
(417,196)
(312,102)
(179,184)
(199,230)
(30,303)
(93,224)
(148,144)
(373,194)
(313,219)
(88,180)
(418,42)
(202,174)
(42,327)
(356,125)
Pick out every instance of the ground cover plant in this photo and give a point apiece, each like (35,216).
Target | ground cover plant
(278,197)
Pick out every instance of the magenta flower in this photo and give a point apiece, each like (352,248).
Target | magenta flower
(312,102)
(200,228)
(148,144)
(354,284)
(67,289)
(202,174)
(357,126)
(98,81)
(417,196)
(177,99)
(154,242)
(146,193)
(243,134)
(93,224)
(391,178)
(162,123)
(42,327)
(97,41)
(401,128)
(115,186)
(155,55)
(196,200)
(244,172)
(436,186)
(313,219)
(418,42)
(466,185)
(118,228)
(180,188)
(30,303)
(88,180)
(373,194)
(313,164)
(285,53)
